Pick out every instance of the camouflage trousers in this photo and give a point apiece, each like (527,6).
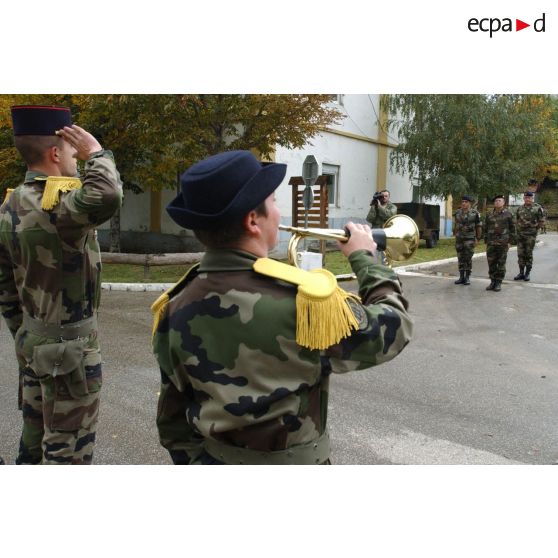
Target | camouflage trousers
(465,248)
(525,246)
(59,412)
(496,256)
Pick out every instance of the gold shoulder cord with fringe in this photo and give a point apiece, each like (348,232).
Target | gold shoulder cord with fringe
(159,306)
(53,186)
(8,194)
(323,317)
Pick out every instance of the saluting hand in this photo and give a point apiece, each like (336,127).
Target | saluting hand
(84,143)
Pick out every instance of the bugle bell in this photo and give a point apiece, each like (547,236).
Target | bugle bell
(398,239)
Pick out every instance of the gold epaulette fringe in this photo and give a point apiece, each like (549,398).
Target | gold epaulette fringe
(159,306)
(53,186)
(323,315)
(157,309)
(8,194)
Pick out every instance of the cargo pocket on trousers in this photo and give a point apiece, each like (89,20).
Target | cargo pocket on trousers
(68,403)
(76,404)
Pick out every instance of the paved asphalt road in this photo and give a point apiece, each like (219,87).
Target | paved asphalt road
(477,385)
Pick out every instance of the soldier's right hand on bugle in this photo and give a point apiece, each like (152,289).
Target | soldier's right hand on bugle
(360,239)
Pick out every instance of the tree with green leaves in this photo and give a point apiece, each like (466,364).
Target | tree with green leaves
(477,144)
(156,137)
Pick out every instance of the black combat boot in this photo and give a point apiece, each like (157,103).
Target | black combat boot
(520,275)
(497,286)
(467,275)
(527,276)
(491,286)
(461,279)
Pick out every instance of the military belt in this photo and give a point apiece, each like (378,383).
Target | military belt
(310,453)
(65,332)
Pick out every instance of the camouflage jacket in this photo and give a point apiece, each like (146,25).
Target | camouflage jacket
(499,228)
(232,370)
(466,223)
(529,219)
(379,214)
(50,260)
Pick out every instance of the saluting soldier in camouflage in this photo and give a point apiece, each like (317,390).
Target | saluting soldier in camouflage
(246,344)
(467,231)
(50,281)
(529,219)
(499,233)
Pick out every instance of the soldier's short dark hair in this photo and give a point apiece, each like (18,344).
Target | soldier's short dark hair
(32,148)
(228,234)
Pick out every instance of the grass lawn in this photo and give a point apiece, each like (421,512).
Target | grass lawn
(335,262)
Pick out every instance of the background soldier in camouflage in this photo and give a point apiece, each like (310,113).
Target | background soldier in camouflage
(50,281)
(236,386)
(467,232)
(381,209)
(529,219)
(499,232)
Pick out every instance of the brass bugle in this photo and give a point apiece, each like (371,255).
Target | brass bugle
(398,239)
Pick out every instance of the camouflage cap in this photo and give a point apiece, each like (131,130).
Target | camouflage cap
(31,120)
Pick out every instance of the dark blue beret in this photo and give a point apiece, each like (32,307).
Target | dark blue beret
(222,188)
(31,120)
(498,196)
(467,198)
(528,194)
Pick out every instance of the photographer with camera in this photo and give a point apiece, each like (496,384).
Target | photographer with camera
(381,209)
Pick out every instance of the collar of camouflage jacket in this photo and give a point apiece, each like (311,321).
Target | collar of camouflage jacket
(227,260)
(31,176)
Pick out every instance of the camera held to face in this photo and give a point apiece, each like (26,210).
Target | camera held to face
(378,197)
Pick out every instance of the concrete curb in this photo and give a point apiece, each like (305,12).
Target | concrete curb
(435,263)
(161,287)
(137,287)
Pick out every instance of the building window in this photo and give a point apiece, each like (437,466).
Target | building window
(332,174)
(338,99)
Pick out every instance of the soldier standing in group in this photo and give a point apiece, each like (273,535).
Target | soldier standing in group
(50,281)
(499,233)
(529,220)
(246,344)
(467,232)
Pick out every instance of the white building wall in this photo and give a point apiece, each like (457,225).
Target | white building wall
(135,213)
(357,174)
(355,155)
(357,159)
